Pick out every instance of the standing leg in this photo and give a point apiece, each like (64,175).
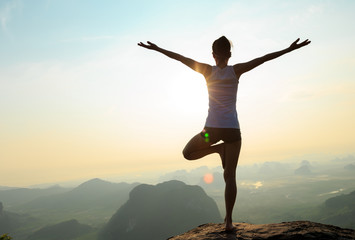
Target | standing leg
(230,193)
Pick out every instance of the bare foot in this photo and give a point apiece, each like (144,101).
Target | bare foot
(230,227)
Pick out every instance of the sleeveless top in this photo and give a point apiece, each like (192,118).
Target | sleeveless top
(222,87)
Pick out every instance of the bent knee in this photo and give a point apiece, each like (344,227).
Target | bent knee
(187,155)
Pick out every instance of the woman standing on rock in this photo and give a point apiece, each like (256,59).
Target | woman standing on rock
(222,120)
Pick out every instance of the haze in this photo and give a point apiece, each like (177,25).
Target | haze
(79,99)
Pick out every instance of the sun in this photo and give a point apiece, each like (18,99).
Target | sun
(208,178)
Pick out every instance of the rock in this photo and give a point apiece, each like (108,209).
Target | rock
(281,231)
(160,211)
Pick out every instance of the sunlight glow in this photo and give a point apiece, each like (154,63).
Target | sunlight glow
(208,178)
(188,93)
(80,99)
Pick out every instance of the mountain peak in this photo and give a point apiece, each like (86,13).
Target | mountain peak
(160,211)
(94,183)
(287,230)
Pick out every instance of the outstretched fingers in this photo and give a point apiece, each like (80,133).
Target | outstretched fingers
(149,45)
(305,42)
(296,45)
(142,45)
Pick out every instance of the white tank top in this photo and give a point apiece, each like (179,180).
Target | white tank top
(222,87)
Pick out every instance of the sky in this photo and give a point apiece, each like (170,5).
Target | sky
(79,99)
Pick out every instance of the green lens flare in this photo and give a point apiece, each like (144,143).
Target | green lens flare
(207,137)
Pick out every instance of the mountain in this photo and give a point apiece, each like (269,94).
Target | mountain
(304,169)
(339,210)
(92,202)
(268,170)
(7,224)
(6,188)
(350,167)
(16,224)
(160,211)
(304,230)
(14,197)
(67,230)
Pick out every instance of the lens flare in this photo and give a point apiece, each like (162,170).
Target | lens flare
(208,178)
(207,137)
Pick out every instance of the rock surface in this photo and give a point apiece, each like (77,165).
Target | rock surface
(287,230)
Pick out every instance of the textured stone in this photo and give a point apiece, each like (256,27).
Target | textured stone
(287,230)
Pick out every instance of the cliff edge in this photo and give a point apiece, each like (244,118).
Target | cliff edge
(287,230)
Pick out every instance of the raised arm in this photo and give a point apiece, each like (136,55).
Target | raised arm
(202,68)
(247,66)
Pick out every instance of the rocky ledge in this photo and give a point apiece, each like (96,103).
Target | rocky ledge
(287,230)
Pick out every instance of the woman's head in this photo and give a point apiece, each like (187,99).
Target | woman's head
(221,48)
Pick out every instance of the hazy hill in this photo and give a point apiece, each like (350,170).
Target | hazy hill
(13,197)
(281,231)
(157,212)
(339,211)
(304,169)
(6,188)
(67,230)
(91,202)
(350,167)
(15,224)
(7,222)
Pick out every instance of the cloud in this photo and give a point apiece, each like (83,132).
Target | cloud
(6,12)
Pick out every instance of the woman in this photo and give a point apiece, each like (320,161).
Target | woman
(222,120)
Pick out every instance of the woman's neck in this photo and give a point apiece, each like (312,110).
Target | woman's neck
(221,63)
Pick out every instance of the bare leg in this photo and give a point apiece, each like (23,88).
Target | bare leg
(229,152)
(197,148)
(230,193)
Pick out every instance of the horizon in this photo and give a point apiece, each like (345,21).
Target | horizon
(200,173)
(271,192)
(79,99)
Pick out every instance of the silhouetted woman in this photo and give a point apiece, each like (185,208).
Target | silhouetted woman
(222,120)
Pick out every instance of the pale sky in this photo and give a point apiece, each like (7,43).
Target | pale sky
(80,99)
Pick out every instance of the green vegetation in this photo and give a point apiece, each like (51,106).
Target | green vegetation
(5,237)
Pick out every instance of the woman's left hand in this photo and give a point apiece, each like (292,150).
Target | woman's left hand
(295,45)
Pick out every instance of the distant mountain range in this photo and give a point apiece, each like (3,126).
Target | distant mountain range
(160,211)
(96,198)
(131,211)
(67,230)
(16,196)
(157,211)
(92,202)
(87,195)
